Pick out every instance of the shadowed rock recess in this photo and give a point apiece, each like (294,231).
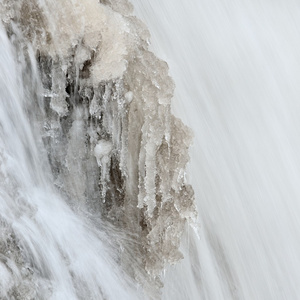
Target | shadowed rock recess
(113,145)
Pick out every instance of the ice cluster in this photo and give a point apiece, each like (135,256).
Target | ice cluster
(114,147)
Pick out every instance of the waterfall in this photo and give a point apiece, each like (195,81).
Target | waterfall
(236,68)
(47,251)
(98,198)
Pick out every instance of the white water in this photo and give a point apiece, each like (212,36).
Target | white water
(236,65)
(65,257)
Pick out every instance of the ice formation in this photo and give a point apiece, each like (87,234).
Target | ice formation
(101,103)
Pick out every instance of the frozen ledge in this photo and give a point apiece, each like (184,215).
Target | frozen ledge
(112,141)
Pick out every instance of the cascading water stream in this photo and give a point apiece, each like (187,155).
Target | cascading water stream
(59,256)
(93,191)
(236,67)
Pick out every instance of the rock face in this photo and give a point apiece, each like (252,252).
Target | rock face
(114,147)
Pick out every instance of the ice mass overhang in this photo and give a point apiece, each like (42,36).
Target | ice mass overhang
(114,147)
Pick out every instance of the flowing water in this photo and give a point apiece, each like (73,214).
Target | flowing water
(94,196)
(61,254)
(236,67)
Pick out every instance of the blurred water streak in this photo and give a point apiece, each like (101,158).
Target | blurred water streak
(236,65)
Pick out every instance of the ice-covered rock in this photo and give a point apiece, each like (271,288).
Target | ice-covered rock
(114,147)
